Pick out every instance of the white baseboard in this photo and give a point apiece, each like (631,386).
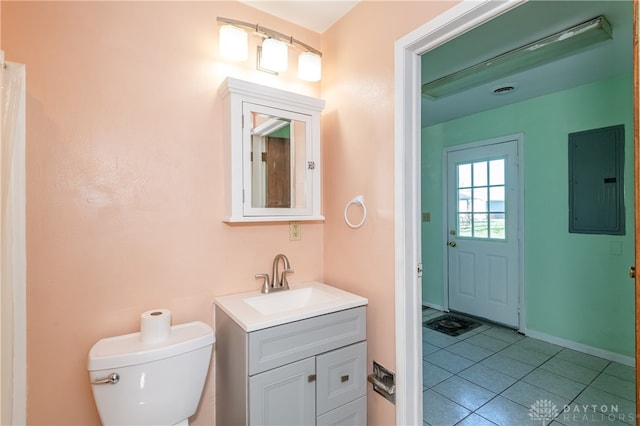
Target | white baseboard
(611,356)
(433,306)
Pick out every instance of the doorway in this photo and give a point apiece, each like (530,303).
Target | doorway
(446,27)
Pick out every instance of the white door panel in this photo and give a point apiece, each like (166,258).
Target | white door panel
(483,191)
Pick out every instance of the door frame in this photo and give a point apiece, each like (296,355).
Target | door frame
(519,139)
(13,291)
(636,171)
(407,78)
(455,21)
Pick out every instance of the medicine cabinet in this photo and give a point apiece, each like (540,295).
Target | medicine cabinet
(272,152)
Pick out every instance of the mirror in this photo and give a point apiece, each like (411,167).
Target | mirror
(273,141)
(277,161)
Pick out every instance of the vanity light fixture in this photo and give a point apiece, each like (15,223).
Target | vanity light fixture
(273,51)
(273,56)
(556,46)
(233,43)
(309,66)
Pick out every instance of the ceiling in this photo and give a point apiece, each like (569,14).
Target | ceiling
(316,15)
(524,24)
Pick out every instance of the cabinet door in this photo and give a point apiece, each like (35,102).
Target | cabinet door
(284,396)
(342,376)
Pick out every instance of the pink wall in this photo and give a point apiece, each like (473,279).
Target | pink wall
(358,146)
(125,177)
(125,181)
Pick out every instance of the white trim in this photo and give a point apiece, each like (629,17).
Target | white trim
(16,204)
(19,413)
(570,344)
(519,139)
(522,320)
(455,21)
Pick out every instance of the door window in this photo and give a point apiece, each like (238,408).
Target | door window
(480,193)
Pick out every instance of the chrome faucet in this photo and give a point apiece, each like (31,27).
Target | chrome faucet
(278,279)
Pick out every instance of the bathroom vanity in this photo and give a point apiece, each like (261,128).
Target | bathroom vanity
(299,361)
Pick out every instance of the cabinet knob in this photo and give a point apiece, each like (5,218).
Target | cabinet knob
(344,378)
(311,378)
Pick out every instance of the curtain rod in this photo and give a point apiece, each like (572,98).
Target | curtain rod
(269,33)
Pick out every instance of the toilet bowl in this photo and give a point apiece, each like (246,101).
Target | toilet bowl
(136,383)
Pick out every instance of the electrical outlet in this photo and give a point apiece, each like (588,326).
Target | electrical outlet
(295,233)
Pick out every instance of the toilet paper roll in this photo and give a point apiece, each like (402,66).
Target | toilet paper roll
(155,325)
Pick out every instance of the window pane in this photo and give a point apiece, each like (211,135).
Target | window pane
(496,172)
(496,199)
(464,200)
(496,228)
(480,226)
(480,173)
(464,225)
(464,175)
(480,197)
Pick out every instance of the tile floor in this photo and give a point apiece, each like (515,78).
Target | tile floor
(494,376)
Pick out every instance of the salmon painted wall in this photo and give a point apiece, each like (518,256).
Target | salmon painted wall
(358,147)
(125,182)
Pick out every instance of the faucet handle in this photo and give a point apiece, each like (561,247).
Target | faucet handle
(265,282)
(284,283)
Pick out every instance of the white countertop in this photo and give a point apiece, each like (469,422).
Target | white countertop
(254,310)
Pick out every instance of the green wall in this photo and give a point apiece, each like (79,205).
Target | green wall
(284,132)
(576,285)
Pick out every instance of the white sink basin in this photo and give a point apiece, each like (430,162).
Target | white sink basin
(254,310)
(289,300)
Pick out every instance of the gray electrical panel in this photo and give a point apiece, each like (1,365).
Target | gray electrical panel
(596,185)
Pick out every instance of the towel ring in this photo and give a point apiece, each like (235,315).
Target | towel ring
(359,201)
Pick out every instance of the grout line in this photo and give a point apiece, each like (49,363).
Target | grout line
(535,368)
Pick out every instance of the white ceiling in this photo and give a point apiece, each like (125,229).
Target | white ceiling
(316,15)
(524,24)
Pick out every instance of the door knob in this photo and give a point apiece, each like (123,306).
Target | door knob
(632,272)
(452,243)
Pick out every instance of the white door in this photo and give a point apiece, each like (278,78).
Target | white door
(483,199)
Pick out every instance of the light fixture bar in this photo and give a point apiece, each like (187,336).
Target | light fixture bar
(264,31)
(533,54)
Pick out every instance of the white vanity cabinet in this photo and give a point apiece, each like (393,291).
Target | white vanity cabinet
(307,372)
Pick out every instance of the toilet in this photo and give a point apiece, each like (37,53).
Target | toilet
(136,383)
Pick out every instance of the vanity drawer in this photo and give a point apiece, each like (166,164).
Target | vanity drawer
(276,346)
(352,414)
(342,376)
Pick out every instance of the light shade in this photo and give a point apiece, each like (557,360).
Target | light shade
(537,53)
(309,66)
(274,55)
(234,43)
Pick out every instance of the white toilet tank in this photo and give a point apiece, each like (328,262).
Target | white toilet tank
(157,384)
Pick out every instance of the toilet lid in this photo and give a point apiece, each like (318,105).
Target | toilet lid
(128,349)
